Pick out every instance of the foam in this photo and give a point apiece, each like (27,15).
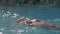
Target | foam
(9,13)
(4,15)
(14,16)
(1,33)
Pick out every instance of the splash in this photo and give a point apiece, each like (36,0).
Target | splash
(5,14)
(14,15)
(8,14)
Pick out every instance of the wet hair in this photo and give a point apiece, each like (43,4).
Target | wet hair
(22,18)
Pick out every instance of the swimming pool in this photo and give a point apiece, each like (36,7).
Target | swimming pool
(9,16)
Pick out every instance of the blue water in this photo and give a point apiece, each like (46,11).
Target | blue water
(9,16)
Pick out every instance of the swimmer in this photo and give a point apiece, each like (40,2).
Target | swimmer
(35,22)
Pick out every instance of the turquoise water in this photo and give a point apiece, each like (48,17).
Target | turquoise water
(9,16)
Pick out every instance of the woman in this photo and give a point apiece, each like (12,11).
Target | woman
(35,22)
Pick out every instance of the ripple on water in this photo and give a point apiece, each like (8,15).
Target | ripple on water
(20,30)
(26,30)
(8,12)
(12,30)
(33,28)
(2,28)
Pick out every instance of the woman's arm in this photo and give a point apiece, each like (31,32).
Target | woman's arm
(50,26)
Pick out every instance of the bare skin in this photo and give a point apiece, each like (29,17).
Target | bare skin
(22,20)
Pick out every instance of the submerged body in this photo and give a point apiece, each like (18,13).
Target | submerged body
(36,22)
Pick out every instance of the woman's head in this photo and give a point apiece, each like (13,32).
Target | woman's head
(22,19)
